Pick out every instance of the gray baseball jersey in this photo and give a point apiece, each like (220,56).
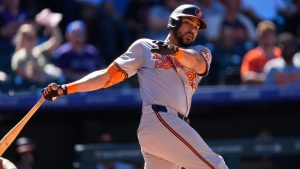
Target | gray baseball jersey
(159,82)
(166,140)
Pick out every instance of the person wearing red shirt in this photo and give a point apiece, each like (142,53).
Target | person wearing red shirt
(255,59)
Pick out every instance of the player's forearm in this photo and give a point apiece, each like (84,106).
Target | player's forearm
(192,60)
(93,81)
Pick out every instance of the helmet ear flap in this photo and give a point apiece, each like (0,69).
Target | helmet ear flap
(173,23)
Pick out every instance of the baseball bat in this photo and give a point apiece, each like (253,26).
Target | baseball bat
(13,133)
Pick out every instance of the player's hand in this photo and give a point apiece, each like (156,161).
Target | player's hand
(53,90)
(164,48)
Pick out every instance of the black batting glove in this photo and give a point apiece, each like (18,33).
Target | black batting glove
(54,90)
(164,48)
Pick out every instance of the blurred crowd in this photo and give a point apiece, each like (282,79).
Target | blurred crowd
(252,42)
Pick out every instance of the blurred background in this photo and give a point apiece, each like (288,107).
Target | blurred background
(246,109)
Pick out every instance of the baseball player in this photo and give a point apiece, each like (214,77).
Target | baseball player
(169,72)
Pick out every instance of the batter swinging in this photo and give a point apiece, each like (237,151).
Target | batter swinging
(169,72)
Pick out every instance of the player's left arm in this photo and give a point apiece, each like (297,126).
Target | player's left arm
(194,60)
(197,59)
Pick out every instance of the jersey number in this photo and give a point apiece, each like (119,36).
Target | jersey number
(191,77)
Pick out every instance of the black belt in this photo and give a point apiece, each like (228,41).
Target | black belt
(160,108)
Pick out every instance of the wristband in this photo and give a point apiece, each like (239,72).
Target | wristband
(72,88)
(179,54)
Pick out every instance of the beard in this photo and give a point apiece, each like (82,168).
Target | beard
(180,40)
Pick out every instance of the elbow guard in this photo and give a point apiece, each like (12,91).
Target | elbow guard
(116,75)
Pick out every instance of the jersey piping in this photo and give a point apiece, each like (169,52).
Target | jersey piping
(123,71)
(206,70)
(183,140)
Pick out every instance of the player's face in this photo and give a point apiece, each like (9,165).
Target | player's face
(187,32)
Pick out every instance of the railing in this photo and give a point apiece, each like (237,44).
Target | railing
(233,151)
(124,98)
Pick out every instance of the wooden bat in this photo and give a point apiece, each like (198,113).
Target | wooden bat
(13,133)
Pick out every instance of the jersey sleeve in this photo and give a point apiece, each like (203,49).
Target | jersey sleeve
(132,59)
(206,54)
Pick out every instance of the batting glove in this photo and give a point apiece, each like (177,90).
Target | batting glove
(53,90)
(164,48)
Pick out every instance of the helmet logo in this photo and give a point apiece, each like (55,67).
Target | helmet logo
(198,13)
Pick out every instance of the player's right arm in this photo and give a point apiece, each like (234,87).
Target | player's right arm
(93,81)
(123,67)
(98,79)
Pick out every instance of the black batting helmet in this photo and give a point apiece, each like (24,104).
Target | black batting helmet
(186,10)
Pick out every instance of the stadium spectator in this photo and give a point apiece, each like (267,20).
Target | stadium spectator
(89,13)
(4,81)
(3,76)
(232,34)
(12,16)
(296,59)
(136,15)
(25,153)
(112,33)
(292,23)
(156,22)
(120,7)
(282,70)
(227,60)
(211,7)
(76,57)
(255,59)
(30,62)
(243,28)
(266,10)
(172,4)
